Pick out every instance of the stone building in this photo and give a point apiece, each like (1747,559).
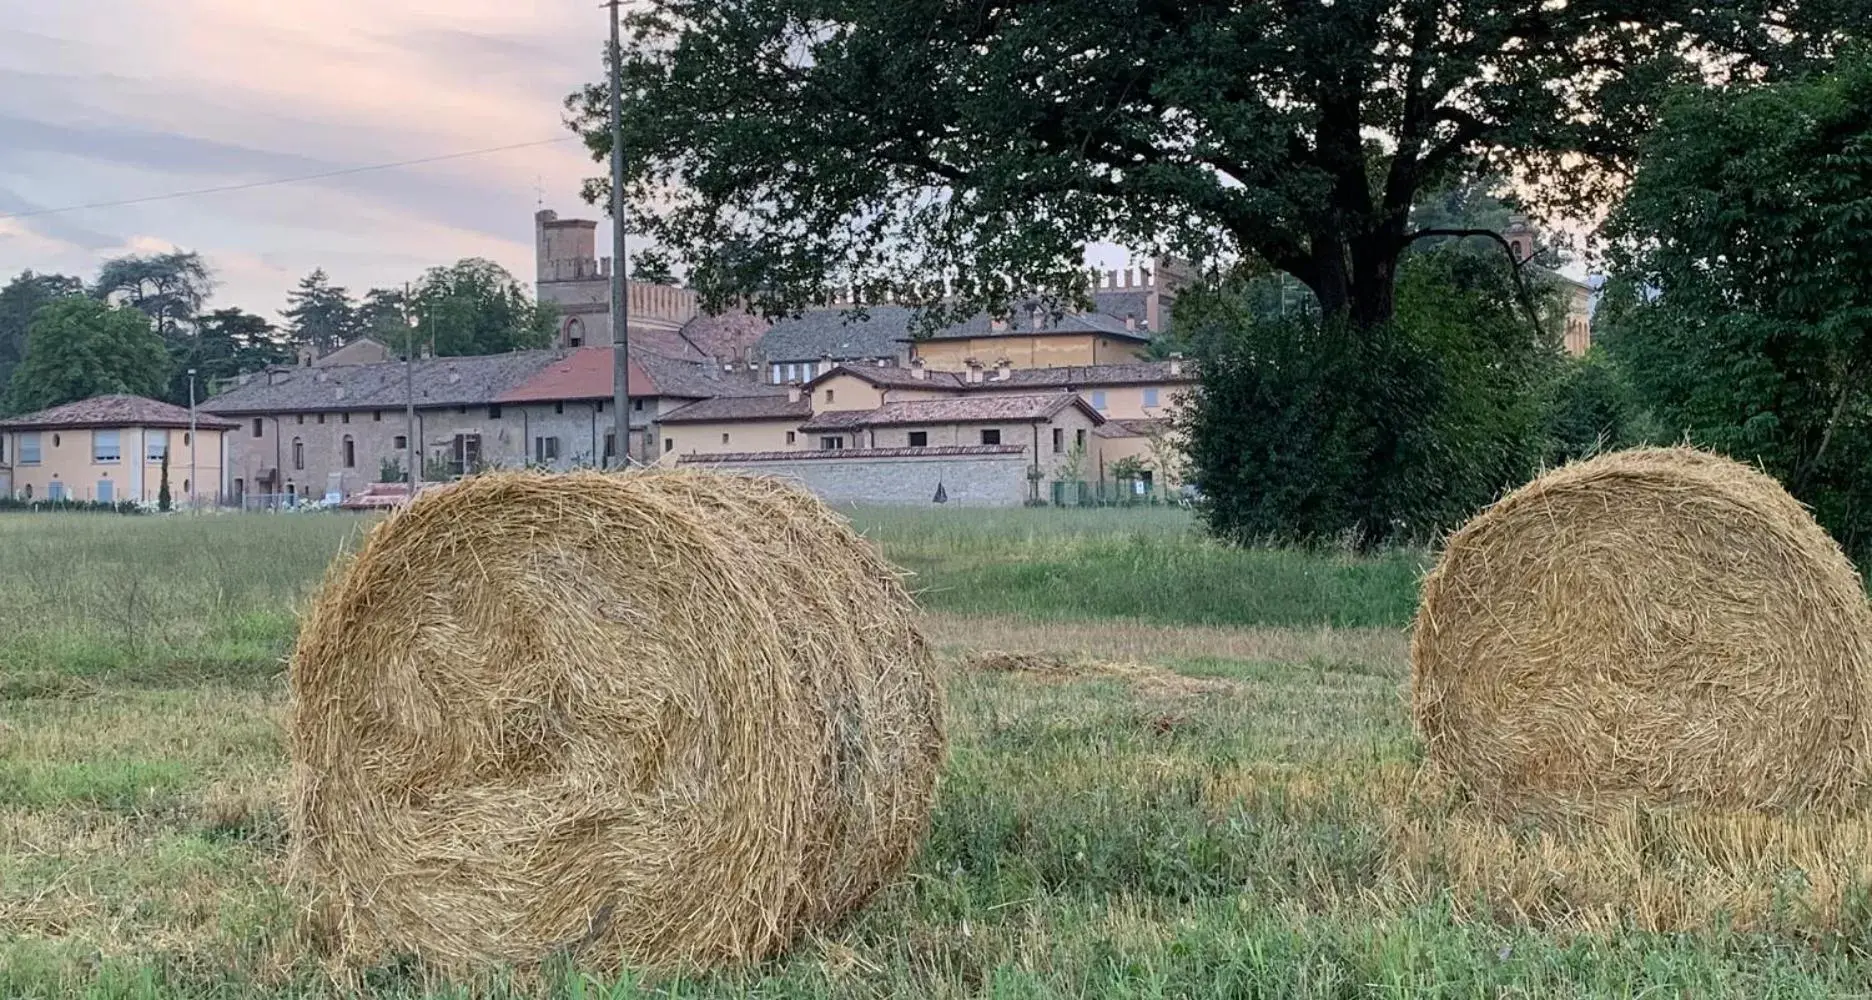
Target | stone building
(574,278)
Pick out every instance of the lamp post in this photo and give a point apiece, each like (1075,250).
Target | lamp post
(191,438)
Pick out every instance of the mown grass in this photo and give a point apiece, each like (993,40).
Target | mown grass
(1095,836)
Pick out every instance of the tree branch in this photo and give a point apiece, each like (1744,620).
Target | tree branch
(1515,263)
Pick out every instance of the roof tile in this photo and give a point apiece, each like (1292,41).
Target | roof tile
(116,411)
(961,409)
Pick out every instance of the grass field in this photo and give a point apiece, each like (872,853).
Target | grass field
(1219,798)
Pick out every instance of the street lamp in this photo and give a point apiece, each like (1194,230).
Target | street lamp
(191,438)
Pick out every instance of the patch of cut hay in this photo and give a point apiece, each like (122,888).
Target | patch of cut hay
(664,719)
(1660,626)
(1146,681)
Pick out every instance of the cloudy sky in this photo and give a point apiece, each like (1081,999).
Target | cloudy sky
(106,100)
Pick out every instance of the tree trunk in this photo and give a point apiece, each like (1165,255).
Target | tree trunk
(1356,284)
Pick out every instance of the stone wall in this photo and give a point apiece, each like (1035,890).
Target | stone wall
(970,477)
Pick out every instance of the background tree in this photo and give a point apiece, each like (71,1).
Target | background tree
(476,307)
(319,314)
(1742,301)
(382,316)
(22,297)
(228,342)
(1306,430)
(81,347)
(781,148)
(169,288)
(163,498)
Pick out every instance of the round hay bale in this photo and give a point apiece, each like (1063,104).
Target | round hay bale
(662,719)
(1658,626)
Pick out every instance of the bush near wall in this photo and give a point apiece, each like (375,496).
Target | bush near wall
(76,506)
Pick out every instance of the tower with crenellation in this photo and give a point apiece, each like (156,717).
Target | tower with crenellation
(574,278)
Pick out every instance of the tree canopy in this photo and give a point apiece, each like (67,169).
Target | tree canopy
(22,297)
(319,314)
(782,147)
(1742,302)
(169,288)
(80,347)
(476,307)
(228,342)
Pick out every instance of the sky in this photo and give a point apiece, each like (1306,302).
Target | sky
(107,100)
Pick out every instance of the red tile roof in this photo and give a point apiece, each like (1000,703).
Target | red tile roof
(116,411)
(730,408)
(958,451)
(957,410)
(587,374)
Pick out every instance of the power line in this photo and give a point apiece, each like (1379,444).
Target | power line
(250,185)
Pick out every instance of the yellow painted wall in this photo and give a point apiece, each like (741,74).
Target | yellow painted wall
(743,435)
(66,457)
(1037,351)
(846,392)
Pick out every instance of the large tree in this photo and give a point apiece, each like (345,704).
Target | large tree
(169,288)
(476,307)
(22,297)
(81,347)
(319,314)
(229,342)
(781,146)
(1742,305)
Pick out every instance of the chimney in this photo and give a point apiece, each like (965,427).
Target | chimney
(1131,323)
(276,376)
(1176,364)
(916,369)
(1003,370)
(998,325)
(1038,318)
(974,376)
(454,377)
(793,392)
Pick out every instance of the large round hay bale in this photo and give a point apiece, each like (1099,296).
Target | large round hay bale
(662,719)
(1658,626)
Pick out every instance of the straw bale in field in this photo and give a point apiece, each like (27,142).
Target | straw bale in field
(663,719)
(1654,626)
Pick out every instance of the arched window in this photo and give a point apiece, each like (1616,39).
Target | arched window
(298,454)
(187,440)
(350,453)
(575,332)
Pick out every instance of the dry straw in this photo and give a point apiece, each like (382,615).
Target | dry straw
(660,719)
(1659,626)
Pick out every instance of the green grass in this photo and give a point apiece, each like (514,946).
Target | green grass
(1092,838)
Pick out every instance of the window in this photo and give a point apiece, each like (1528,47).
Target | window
(1098,401)
(259,428)
(494,411)
(461,410)
(637,404)
(669,444)
(610,450)
(55,490)
(345,417)
(55,442)
(298,452)
(402,442)
(601,404)
(187,442)
(789,437)
(559,407)
(186,488)
(774,373)
(831,443)
(105,446)
(1150,397)
(376,416)
(2,449)
(545,449)
(724,439)
(301,417)
(1059,440)
(106,494)
(919,439)
(465,454)
(321,418)
(828,395)
(349,450)
(1079,438)
(29,448)
(155,445)
(991,435)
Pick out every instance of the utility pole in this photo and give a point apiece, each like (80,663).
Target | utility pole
(620,288)
(194,440)
(412,474)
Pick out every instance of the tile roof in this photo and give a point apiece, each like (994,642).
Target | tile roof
(959,451)
(586,373)
(1134,373)
(115,411)
(728,408)
(842,335)
(961,409)
(1131,428)
(465,381)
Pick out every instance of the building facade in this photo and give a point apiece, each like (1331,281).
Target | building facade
(110,449)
